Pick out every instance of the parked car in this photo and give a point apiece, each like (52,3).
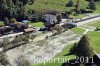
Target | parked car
(71,25)
(44,29)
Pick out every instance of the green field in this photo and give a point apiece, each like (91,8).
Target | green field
(58,5)
(77,30)
(1,23)
(95,24)
(37,24)
(95,39)
(78,16)
(97,7)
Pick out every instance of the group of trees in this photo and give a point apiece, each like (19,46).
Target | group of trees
(82,49)
(19,40)
(13,8)
(21,61)
(3,59)
(91,5)
(7,44)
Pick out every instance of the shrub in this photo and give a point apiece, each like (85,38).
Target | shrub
(21,61)
(70,3)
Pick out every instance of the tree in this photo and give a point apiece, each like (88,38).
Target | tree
(78,10)
(70,3)
(12,8)
(3,59)
(59,29)
(6,21)
(83,48)
(17,39)
(13,20)
(9,3)
(25,37)
(72,49)
(1,44)
(6,42)
(21,61)
(32,1)
(21,38)
(25,1)
(59,18)
(92,5)
(3,7)
(15,2)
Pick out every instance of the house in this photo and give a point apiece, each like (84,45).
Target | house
(51,17)
(19,27)
(6,30)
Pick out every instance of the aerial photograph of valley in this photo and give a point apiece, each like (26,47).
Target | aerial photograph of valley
(49,32)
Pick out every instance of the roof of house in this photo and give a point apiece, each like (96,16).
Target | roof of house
(29,30)
(5,27)
(25,21)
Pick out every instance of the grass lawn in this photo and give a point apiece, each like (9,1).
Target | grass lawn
(37,24)
(78,16)
(58,5)
(60,55)
(97,7)
(77,30)
(96,24)
(1,23)
(95,39)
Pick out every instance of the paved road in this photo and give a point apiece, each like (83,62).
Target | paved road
(11,35)
(93,18)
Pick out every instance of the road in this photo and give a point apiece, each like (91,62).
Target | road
(88,20)
(10,35)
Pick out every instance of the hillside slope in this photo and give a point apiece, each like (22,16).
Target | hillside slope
(58,5)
